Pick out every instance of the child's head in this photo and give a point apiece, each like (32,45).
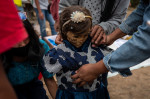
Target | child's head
(30,47)
(75,25)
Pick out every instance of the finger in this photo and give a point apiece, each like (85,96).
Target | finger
(58,39)
(94,45)
(76,81)
(104,41)
(75,76)
(96,35)
(94,29)
(82,83)
(99,38)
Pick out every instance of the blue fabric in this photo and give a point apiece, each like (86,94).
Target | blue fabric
(31,90)
(52,42)
(137,49)
(73,63)
(42,23)
(100,93)
(23,72)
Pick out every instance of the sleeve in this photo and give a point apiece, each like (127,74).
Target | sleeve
(66,3)
(134,20)
(117,17)
(51,61)
(45,45)
(44,72)
(134,51)
(12,30)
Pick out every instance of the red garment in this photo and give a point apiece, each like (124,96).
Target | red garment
(54,9)
(11,28)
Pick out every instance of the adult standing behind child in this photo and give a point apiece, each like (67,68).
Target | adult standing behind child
(75,50)
(42,13)
(23,64)
(106,14)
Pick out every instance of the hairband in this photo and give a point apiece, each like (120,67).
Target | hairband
(77,17)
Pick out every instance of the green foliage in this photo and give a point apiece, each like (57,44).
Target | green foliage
(134,3)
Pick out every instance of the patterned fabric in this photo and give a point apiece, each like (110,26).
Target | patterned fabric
(65,59)
(24,72)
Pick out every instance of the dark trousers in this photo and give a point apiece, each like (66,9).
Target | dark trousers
(31,90)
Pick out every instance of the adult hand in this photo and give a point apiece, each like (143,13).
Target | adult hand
(106,40)
(89,72)
(58,39)
(97,35)
(41,15)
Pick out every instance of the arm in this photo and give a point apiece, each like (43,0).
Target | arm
(129,26)
(117,17)
(131,53)
(134,51)
(52,86)
(41,16)
(105,28)
(6,90)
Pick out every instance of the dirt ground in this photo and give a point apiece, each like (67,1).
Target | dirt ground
(136,86)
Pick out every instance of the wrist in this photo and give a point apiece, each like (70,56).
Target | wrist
(101,68)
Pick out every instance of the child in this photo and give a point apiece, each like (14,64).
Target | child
(24,63)
(75,51)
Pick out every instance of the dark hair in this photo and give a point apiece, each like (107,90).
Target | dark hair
(79,27)
(36,49)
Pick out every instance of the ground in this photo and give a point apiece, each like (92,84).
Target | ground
(136,86)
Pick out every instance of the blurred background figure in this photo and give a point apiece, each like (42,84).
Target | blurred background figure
(18,4)
(42,13)
(12,32)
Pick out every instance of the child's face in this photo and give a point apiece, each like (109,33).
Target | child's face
(77,39)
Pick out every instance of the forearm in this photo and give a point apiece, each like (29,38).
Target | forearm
(115,35)
(132,52)
(52,86)
(38,6)
(100,68)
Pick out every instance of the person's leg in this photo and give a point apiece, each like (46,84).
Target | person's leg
(51,22)
(41,23)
